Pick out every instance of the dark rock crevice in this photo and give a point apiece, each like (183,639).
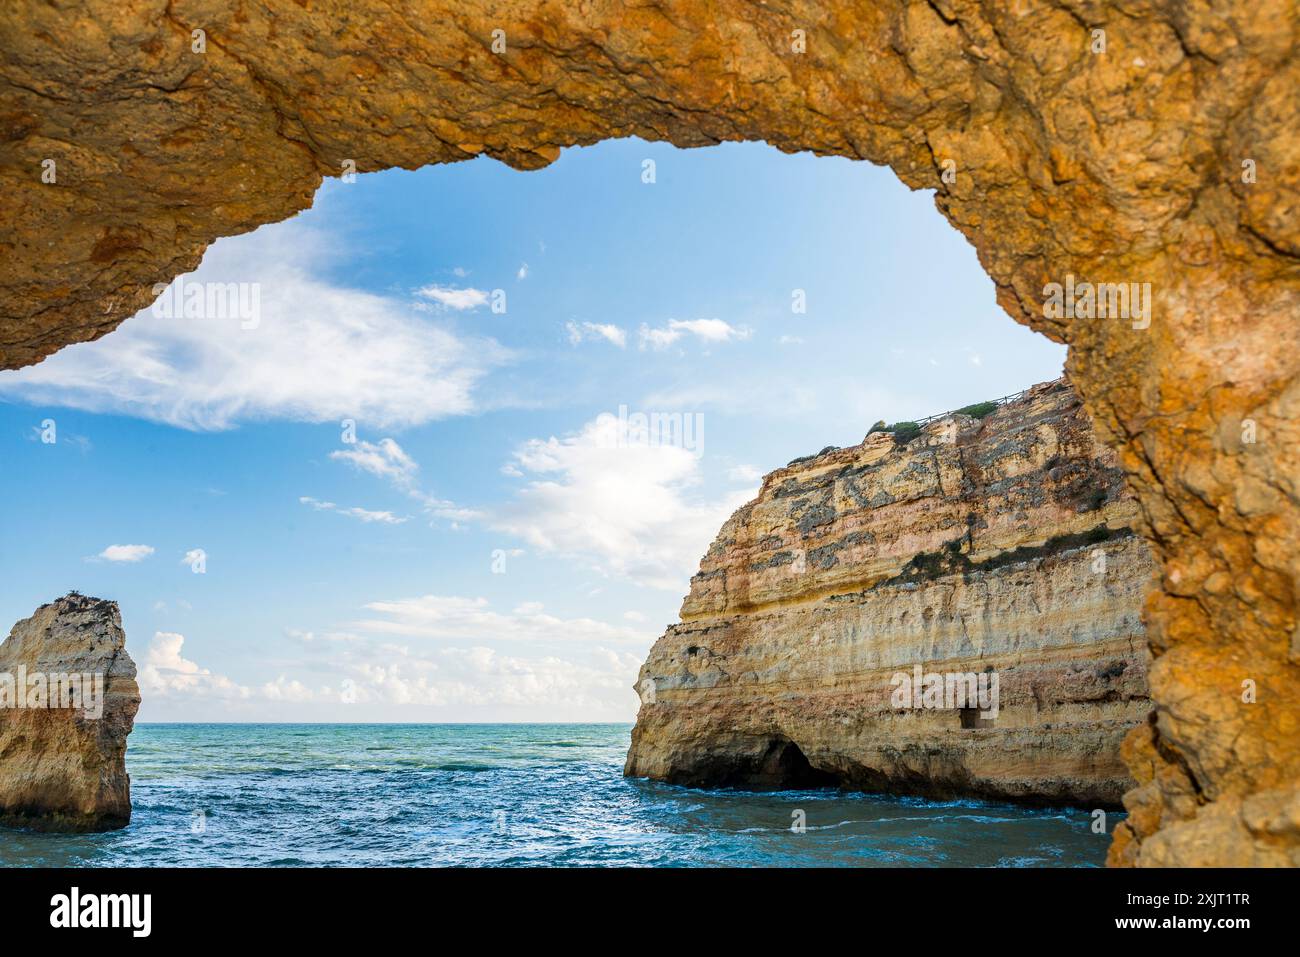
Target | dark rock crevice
(773,763)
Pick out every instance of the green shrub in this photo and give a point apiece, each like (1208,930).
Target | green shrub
(978,410)
(904,432)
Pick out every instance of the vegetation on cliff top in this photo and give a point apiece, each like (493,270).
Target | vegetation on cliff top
(906,430)
(951,559)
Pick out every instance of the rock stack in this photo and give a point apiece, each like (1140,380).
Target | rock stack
(68,700)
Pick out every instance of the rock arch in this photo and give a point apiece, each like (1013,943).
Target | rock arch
(1138,141)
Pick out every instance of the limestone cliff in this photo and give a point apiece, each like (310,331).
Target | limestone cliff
(1002,546)
(68,700)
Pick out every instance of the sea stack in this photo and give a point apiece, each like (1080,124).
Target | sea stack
(840,617)
(68,699)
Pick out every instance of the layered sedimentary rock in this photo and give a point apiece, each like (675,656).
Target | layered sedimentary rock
(63,742)
(1136,141)
(1000,548)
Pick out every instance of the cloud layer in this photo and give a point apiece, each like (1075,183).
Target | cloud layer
(472,619)
(388,460)
(316,351)
(625,507)
(421,655)
(361,514)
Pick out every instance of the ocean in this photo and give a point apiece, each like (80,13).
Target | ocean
(513,795)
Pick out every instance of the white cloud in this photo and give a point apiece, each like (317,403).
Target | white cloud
(595,685)
(384,458)
(317,352)
(707,330)
(165,672)
(284,689)
(582,331)
(414,658)
(623,506)
(450,297)
(388,460)
(711,330)
(454,618)
(426,658)
(658,338)
(523,272)
(192,556)
(745,473)
(364,514)
(307,637)
(790,341)
(437,651)
(126,553)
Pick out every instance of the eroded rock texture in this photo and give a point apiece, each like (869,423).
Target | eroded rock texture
(63,768)
(1171,156)
(1004,544)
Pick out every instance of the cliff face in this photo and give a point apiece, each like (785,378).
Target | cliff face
(68,700)
(997,547)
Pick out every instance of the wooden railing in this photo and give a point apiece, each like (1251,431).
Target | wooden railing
(943,415)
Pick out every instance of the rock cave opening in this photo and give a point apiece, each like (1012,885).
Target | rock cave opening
(784,767)
(972,718)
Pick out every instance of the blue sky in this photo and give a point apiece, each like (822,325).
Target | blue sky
(492,546)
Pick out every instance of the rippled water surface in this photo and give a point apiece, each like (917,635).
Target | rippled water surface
(511,795)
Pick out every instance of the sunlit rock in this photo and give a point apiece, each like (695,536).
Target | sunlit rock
(952,615)
(68,700)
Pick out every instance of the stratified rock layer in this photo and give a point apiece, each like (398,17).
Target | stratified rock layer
(60,769)
(1000,545)
(1134,141)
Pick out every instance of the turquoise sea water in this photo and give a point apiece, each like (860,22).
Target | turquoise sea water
(508,795)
